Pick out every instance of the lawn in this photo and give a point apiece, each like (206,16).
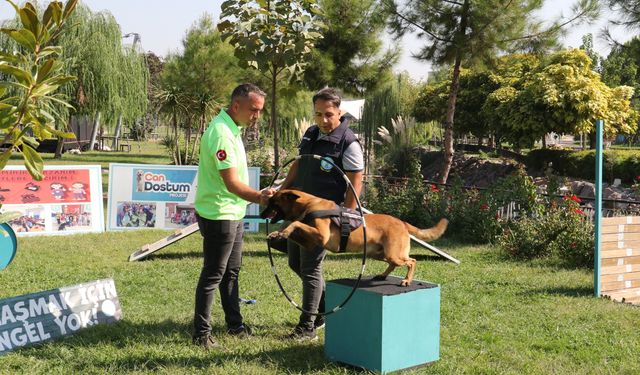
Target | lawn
(141,153)
(498,316)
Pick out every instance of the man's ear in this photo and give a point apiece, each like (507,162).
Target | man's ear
(291,196)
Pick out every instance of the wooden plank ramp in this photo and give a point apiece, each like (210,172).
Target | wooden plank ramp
(151,248)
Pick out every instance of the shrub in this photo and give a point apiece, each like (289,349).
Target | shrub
(403,200)
(524,239)
(562,232)
(622,164)
(473,214)
(555,229)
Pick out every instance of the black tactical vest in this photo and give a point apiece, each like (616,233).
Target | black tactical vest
(320,178)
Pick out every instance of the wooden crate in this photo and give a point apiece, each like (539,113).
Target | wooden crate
(620,259)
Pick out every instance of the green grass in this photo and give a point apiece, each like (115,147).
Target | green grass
(141,153)
(498,316)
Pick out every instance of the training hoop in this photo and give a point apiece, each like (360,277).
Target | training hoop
(364,230)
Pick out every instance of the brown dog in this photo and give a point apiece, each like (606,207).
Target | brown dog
(387,237)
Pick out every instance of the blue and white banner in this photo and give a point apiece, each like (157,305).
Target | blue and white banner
(157,196)
(162,184)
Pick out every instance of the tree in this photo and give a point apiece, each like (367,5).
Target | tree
(195,83)
(587,47)
(458,32)
(621,65)
(562,95)
(112,79)
(381,108)
(276,37)
(349,54)
(31,75)
(473,113)
(628,11)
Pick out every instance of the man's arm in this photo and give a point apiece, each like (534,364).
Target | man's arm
(353,164)
(356,181)
(244,191)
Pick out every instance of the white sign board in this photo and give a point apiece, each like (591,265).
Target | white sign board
(44,316)
(67,200)
(158,196)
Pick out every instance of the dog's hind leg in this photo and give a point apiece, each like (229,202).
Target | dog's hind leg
(411,269)
(383,276)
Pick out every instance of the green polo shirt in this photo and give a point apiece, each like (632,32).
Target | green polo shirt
(221,148)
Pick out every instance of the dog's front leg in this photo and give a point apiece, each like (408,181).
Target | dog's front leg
(278,233)
(304,234)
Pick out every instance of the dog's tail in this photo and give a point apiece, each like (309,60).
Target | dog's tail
(429,234)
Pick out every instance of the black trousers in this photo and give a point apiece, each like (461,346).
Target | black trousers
(307,264)
(222,247)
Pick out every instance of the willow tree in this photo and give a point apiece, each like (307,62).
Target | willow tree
(275,37)
(112,79)
(381,107)
(466,32)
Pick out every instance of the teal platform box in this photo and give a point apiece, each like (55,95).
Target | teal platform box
(384,327)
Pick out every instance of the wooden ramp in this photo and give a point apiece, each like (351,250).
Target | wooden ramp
(151,248)
(620,259)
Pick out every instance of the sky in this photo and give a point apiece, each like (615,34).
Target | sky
(162,25)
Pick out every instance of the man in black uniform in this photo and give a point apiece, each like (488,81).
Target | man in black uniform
(332,139)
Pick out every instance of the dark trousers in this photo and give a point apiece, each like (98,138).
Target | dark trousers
(222,247)
(307,263)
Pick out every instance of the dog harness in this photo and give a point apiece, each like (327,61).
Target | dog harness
(346,219)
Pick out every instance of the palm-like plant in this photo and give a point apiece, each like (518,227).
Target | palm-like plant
(397,143)
(173,105)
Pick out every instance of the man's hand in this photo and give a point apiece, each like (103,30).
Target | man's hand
(265,194)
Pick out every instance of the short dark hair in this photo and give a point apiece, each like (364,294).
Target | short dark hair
(328,94)
(243,91)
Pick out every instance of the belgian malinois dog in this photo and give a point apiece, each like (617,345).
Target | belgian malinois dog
(387,237)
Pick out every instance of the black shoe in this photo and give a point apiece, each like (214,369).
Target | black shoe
(206,341)
(303,334)
(319,322)
(242,331)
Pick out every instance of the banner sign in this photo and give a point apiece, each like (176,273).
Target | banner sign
(157,196)
(67,200)
(44,316)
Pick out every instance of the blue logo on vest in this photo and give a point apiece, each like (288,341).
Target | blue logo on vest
(326,164)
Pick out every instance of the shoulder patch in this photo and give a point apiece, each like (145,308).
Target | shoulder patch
(221,155)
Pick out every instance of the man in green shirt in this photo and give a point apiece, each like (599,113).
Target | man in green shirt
(221,200)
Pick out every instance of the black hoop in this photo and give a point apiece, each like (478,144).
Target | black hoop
(364,230)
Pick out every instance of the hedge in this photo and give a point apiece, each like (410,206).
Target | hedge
(622,164)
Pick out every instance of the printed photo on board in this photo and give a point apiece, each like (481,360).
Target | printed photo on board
(179,215)
(136,214)
(71,217)
(32,219)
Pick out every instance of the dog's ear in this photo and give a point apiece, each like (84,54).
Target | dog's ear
(291,196)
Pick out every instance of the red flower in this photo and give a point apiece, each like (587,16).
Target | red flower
(572,198)
(638,178)
(434,188)
(484,207)
(578,211)
(573,245)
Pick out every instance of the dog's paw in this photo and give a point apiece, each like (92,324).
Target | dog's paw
(405,282)
(379,278)
(275,235)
